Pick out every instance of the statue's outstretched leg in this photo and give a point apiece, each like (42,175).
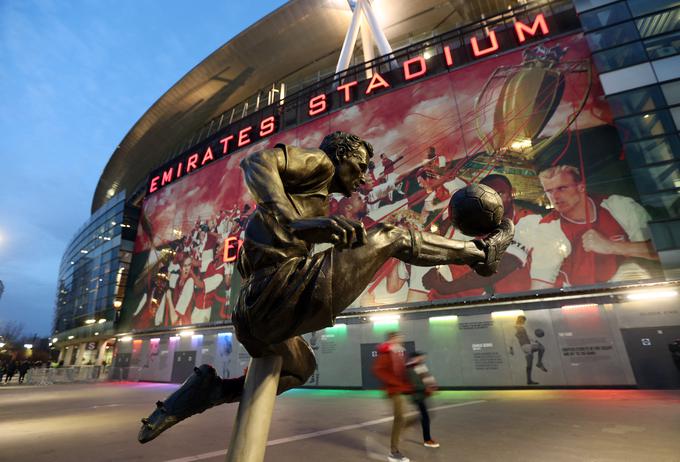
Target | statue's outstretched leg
(415,247)
(205,389)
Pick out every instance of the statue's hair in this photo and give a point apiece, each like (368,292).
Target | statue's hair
(560,169)
(338,145)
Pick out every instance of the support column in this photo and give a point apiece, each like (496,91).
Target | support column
(251,431)
(350,42)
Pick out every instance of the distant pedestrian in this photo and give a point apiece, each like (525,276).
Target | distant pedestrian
(3,365)
(390,368)
(424,385)
(23,369)
(10,370)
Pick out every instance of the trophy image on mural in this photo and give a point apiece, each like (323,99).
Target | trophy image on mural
(515,114)
(524,99)
(288,290)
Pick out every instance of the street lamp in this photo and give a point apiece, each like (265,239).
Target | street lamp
(28,346)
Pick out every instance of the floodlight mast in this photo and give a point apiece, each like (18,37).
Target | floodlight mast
(373,34)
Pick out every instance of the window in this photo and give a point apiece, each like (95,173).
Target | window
(664,46)
(666,234)
(588,4)
(616,58)
(671,91)
(606,16)
(612,36)
(658,24)
(642,7)
(636,101)
(657,178)
(645,125)
(662,206)
(653,150)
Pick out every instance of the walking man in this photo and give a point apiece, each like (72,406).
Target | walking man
(390,368)
(424,385)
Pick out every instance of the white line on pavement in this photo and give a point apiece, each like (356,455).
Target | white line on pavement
(304,436)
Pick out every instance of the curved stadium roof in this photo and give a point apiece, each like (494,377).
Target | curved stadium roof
(301,38)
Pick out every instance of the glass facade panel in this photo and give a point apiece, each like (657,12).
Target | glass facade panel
(663,46)
(671,91)
(642,7)
(619,57)
(663,206)
(657,178)
(611,14)
(666,234)
(657,24)
(644,126)
(612,36)
(85,289)
(635,101)
(675,112)
(653,150)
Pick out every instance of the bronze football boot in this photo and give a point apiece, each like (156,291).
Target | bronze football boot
(202,390)
(494,246)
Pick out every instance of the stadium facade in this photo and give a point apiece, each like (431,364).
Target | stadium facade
(569,109)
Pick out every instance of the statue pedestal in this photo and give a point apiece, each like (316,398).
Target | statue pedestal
(249,437)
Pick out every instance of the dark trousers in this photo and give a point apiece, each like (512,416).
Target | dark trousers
(424,419)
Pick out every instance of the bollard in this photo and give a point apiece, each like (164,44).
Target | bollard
(249,437)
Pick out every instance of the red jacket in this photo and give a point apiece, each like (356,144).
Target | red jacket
(390,368)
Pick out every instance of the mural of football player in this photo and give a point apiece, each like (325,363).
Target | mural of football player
(513,271)
(588,239)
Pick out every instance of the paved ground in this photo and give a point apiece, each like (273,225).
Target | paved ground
(91,423)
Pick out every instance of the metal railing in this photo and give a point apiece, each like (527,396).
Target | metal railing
(73,374)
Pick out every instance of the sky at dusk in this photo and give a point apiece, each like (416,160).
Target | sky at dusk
(75,76)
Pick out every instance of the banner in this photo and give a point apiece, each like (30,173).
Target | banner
(532,124)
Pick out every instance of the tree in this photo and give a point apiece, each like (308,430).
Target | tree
(11,331)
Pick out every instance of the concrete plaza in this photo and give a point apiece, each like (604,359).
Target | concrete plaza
(99,422)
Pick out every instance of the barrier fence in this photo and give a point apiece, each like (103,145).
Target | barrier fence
(43,376)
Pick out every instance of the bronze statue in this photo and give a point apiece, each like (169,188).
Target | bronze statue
(288,291)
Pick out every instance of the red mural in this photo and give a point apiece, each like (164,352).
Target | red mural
(532,124)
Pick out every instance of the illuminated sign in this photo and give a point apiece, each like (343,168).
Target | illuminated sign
(415,68)
(351,91)
(232,247)
(224,146)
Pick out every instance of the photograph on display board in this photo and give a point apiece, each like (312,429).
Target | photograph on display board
(532,124)
(532,348)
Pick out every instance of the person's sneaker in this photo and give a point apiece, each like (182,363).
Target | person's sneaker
(494,246)
(542,367)
(202,390)
(431,444)
(397,457)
